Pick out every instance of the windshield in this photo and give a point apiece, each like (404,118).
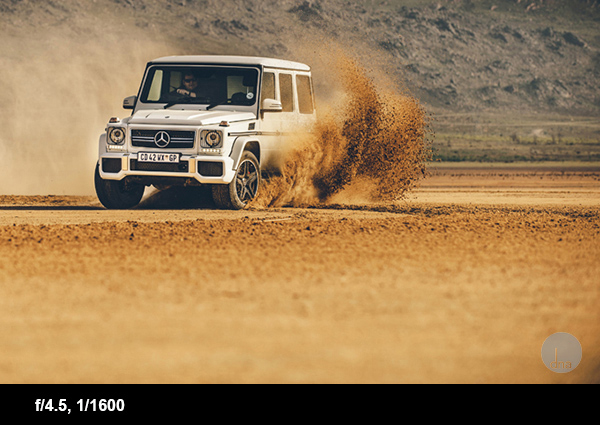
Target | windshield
(209,85)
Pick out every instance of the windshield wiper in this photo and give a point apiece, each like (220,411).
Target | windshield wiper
(214,105)
(179,101)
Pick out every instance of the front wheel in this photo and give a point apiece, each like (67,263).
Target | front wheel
(117,195)
(244,186)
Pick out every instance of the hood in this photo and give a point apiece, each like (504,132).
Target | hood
(168,116)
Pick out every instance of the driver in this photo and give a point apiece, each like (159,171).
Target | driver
(189,85)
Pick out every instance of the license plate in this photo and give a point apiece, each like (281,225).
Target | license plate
(170,158)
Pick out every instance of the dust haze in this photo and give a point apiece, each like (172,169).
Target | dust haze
(58,89)
(61,83)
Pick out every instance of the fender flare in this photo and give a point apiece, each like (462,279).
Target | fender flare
(239,145)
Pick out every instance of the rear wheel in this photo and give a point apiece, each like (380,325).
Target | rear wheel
(117,195)
(244,186)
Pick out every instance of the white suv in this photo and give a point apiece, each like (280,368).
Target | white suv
(216,120)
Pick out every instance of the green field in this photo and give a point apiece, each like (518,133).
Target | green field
(511,138)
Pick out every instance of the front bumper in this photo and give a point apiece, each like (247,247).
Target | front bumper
(202,168)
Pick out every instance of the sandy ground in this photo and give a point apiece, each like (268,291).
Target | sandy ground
(460,283)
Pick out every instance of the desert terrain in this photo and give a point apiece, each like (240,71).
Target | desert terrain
(460,283)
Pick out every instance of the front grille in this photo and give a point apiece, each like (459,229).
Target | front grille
(179,139)
(182,167)
(210,169)
(111,165)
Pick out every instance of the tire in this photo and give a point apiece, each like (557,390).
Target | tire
(243,188)
(117,195)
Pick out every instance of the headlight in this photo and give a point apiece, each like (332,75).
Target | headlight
(212,139)
(116,135)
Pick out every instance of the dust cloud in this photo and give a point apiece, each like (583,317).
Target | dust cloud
(58,88)
(61,83)
(372,143)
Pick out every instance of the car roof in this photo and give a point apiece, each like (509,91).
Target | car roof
(232,60)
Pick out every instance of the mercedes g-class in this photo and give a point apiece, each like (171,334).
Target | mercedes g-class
(204,120)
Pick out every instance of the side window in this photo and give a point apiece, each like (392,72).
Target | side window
(305,96)
(287,92)
(156,86)
(268,87)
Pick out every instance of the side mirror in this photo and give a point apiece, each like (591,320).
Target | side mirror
(129,102)
(271,105)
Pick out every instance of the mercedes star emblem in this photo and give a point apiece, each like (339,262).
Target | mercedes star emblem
(162,139)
